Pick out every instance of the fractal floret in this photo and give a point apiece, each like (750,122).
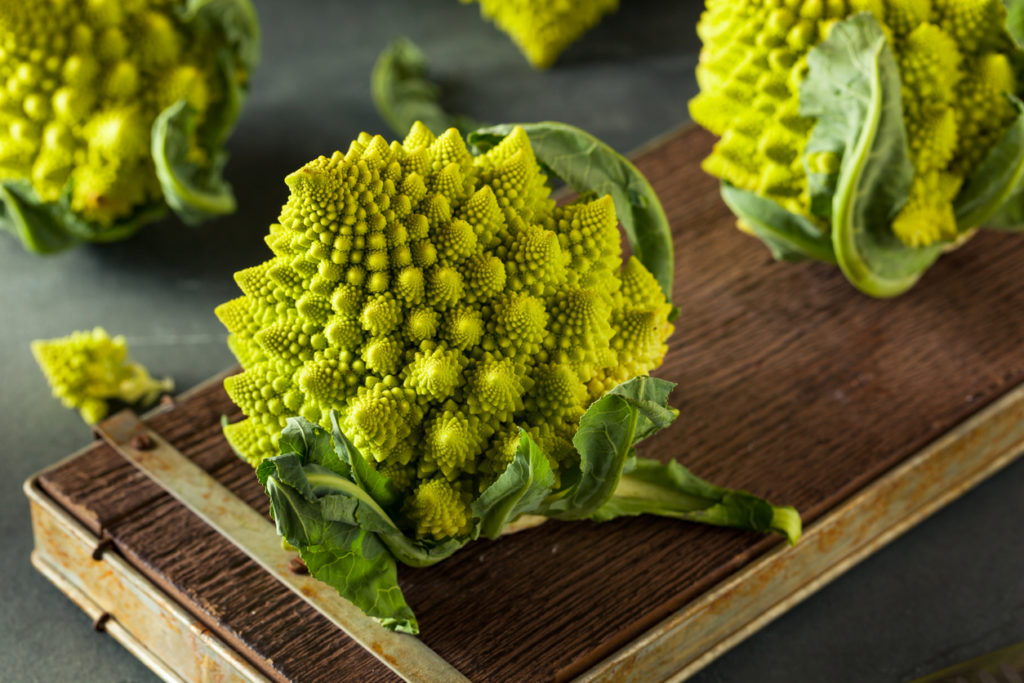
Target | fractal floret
(543,29)
(898,110)
(88,369)
(113,110)
(438,301)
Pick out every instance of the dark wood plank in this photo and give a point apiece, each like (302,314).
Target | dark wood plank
(100,488)
(791,385)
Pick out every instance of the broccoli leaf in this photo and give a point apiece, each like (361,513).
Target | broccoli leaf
(1015,20)
(302,436)
(404,95)
(671,490)
(347,556)
(48,227)
(853,90)
(335,525)
(608,431)
(589,165)
(788,236)
(994,193)
(236,20)
(996,182)
(377,485)
(521,488)
(195,191)
(237,23)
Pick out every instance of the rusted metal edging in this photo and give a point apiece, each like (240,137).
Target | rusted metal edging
(703,630)
(254,535)
(110,626)
(126,605)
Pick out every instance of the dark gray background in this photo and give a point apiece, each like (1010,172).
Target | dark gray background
(946,591)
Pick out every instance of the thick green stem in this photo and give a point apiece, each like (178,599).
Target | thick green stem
(670,490)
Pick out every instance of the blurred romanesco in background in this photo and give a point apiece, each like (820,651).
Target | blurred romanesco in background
(928,82)
(88,369)
(438,301)
(543,29)
(112,110)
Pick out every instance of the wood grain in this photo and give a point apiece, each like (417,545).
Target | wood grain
(791,385)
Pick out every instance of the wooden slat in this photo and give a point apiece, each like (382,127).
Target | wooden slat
(792,385)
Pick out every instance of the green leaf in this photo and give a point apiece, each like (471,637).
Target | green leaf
(998,182)
(853,90)
(789,237)
(48,227)
(38,225)
(1015,20)
(335,525)
(375,484)
(194,191)
(521,489)
(236,20)
(313,444)
(404,95)
(671,490)
(608,430)
(359,566)
(649,397)
(297,517)
(589,165)
(287,469)
(238,32)
(993,192)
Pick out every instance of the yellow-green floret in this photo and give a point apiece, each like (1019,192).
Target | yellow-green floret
(953,61)
(88,369)
(438,301)
(544,28)
(81,83)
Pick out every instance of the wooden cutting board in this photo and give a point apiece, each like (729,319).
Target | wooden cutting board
(866,415)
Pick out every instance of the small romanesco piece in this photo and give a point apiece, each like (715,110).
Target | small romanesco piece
(88,369)
(543,29)
(82,84)
(438,301)
(954,59)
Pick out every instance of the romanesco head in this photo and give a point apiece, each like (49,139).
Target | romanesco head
(439,302)
(544,28)
(87,369)
(953,58)
(82,83)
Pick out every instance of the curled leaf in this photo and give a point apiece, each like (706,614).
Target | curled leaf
(790,237)
(853,90)
(195,191)
(403,94)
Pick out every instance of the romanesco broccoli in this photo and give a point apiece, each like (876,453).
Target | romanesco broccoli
(437,351)
(112,110)
(438,301)
(88,369)
(954,69)
(544,28)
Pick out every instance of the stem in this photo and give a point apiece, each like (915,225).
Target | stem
(672,491)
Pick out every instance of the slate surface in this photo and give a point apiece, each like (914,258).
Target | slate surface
(948,590)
